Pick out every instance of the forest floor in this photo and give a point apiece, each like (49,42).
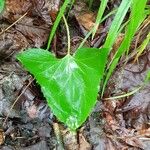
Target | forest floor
(26,121)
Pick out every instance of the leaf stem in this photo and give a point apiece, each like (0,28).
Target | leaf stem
(68,34)
(58,136)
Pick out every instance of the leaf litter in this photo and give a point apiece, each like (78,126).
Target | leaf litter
(114,124)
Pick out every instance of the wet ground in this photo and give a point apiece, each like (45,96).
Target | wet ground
(26,122)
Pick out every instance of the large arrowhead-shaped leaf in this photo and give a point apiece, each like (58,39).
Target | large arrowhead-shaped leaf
(71,84)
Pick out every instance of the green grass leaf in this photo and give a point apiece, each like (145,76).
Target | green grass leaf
(99,16)
(135,20)
(71,84)
(2,3)
(115,26)
(92,30)
(147,79)
(124,95)
(90,3)
(142,47)
(57,21)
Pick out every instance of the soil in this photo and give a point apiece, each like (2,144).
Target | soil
(26,121)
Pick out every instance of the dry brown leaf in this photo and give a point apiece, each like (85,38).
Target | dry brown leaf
(144,133)
(83,144)
(87,20)
(135,142)
(2,137)
(15,9)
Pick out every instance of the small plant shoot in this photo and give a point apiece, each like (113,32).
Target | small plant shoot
(71,84)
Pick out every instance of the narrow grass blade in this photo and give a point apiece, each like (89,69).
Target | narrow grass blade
(91,31)
(109,14)
(142,47)
(113,32)
(56,23)
(2,3)
(99,16)
(90,3)
(147,79)
(70,7)
(124,95)
(136,19)
(85,38)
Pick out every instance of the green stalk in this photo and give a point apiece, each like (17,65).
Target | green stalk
(136,19)
(91,31)
(56,23)
(2,4)
(99,16)
(68,34)
(90,3)
(115,26)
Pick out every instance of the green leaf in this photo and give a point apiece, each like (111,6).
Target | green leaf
(115,26)
(92,30)
(90,3)
(147,78)
(99,15)
(2,2)
(71,84)
(142,47)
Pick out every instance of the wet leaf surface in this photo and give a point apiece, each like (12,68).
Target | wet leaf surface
(46,69)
